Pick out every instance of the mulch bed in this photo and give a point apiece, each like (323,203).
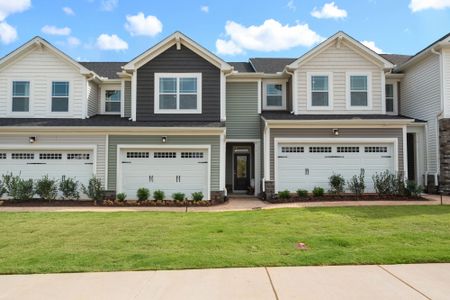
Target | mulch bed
(345,197)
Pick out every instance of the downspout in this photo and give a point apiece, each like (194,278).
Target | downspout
(292,92)
(440,115)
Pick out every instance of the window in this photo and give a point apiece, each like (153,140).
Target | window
(138,154)
(112,101)
(78,156)
(316,149)
(375,149)
(291,149)
(191,154)
(2,155)
(50,156)
(347,149)
(358,88)
(319,91)
(274,95)
(164,155)
(178,93)
(60,96)
(389,98)
(22,155)
(21,96)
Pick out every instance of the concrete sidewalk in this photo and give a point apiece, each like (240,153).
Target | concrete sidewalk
(419,281)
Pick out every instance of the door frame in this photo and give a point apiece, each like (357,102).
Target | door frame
(121,147)
(277,141)
(249,163)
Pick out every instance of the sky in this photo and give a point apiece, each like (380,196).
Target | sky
(235,30)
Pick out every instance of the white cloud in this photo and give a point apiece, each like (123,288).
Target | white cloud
(109,5)
(269,36)
(371,45)
(8,34)
(73,41)
(418,5)
(53,30)
(204,8)
(9,7)
(142,25)
(68,11)
(329,11)
(111,42)
(291,5)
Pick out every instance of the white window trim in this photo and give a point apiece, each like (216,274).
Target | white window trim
(50,93)
(283,95)
(309,105)
(369,90)
(10,100)
(103,90)
(157,110)
(395,89)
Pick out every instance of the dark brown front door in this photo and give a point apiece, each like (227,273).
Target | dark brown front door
(241,171)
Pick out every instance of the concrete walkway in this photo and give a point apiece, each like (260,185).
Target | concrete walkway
(423,281)
(234,204)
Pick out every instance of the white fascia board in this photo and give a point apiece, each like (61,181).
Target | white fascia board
(125,130)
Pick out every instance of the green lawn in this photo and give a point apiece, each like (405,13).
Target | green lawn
(70,242)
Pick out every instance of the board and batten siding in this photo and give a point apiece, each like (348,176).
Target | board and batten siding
(420,98)
(63,139)
(152,140)
(343,133)
(41,67)
(243,120)
(339,61)
(127,99)
(178,61)
(93,98)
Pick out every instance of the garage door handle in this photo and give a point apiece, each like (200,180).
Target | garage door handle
(126,162)
(387,156)
(202,162)
(36,163)
(282,156)
(88,163)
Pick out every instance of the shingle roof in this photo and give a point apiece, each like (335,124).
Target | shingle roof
(285,115)
(396,59)
(105,69)
(270,65)
(244,67)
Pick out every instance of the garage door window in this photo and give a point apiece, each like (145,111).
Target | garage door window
(60,96)
(347,149)
(79,156)
(165,155)
(191,154)
(2,155)
(375,149)
(292,149)
(22,155)
(138,154)
(21,96)
(51,156)
(319,149)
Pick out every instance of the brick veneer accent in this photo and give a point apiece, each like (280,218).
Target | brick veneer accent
(270,189)
(444,152)
(217,195)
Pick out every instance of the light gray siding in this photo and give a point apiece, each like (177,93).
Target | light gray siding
(115,140)
(343,133)
(421,99)
(446,78)
(93,99)
(242,110)
(127,99)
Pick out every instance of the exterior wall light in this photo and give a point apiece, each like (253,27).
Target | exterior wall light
(32,139)
(336,132)
(164,139)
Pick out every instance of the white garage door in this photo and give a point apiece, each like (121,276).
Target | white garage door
(169,170)
(305,166)
(56,164)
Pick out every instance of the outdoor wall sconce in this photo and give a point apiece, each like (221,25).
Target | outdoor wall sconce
(336,132)
(164,139)
(32,139)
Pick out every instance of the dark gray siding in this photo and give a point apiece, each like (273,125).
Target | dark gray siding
(127,99)
(178,61)
(343,133)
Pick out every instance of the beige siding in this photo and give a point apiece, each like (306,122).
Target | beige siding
(62,139)
(421,99)
(338,61)
(93,98)
(127,99)
(41,67)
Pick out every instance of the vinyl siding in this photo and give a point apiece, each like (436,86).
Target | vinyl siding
(343,133)
(242,110)
(178,61)
(446,78)
(64,139)
(421,99)
(127,99)
(41,67)
(115,140)
(93,99)
(339,61)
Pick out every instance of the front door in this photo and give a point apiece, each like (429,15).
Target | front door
(241,171)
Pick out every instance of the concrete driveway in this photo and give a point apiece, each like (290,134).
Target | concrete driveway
(419,281)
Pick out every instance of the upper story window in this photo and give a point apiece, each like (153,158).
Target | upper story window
(21,96)
(178,93)
(320,89)
(60,96)
(274,95)
(391,97)
(358,91)
(112,101)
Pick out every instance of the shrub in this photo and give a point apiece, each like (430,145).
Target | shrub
(302,193)
(143,194)
(318,191)
(18,188)
(69,188)
(337,184)
(94,190)
(356,184)
(284,194)
(121,197)
(413,189)
(9,182)
(46,188)
(197,196)
(178,196)
(159,195)
(386,184)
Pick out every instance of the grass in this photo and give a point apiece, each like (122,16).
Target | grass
(78,242)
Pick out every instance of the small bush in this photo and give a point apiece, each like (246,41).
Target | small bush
(284,194)
(302,193)
(94,190)
(197,196)
(47,188)
(178,197)
(2,188)
(143,194)
(387,184)
(413,189)
(159,195)
(356,184)
(69,188)
(18,188)
(9,182)
(337,184)
(121,197)
(318,191)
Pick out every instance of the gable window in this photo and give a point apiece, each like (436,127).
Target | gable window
(21,96)
(112,101)
(178,93)
(60,96)
(274,95)
(320,91)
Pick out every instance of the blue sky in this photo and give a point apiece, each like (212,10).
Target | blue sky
(118,30)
